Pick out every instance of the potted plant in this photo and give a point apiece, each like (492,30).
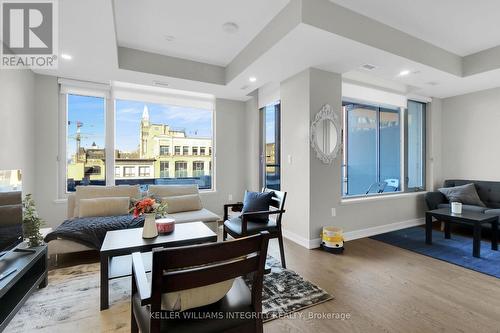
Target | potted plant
(31,222)
(150,209)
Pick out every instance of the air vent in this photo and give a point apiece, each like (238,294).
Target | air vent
(432,83)
(244,87)
(368,67)
(160,83)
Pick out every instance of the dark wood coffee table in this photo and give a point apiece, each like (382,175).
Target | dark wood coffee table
(118,246)
(476,220)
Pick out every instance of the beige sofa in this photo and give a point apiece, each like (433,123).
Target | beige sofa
(167,193)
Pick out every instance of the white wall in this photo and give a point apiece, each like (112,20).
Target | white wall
(230,165)
(252,139)
(295,170)
(17,90)
(230,152)
(47,150)
(471,134)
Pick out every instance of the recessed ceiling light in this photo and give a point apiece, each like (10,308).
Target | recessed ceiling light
(169,38)
(66,56)
(252,79)
(404,73)
(230,27)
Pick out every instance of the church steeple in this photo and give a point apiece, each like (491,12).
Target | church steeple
(145,114)
(144,132)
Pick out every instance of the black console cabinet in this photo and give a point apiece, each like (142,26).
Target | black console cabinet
(30,274)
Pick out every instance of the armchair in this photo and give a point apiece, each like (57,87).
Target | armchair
(243,225)
(182,268)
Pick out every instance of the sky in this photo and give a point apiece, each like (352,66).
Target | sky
(90,112)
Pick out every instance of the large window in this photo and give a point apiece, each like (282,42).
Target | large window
(373,136)
(152,143)
(85,155)
(146,131)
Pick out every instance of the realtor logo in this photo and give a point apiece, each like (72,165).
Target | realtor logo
(29,34)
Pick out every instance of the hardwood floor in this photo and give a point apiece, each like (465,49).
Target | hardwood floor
(382,288)
(388,289)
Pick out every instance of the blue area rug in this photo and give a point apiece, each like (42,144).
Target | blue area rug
(457,250)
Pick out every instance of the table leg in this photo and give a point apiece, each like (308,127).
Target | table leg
(428,228)
(104,282)
(476,246)
(447,233)
(494,235)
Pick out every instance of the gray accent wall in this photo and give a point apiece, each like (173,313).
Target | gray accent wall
(470,135)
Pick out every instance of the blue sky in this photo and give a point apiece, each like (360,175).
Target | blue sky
(90,111)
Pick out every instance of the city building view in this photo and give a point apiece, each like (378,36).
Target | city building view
(155,152)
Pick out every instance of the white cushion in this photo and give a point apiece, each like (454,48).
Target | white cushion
(93,191)
(182,203)
(203,215)
(111,206)
(195,297)
(172,190)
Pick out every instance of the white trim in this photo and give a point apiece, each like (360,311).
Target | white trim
(355,234)
(84,88)
(378,197)
(302,241)
(371,95)
(368,232)
(166,96)
(418,98)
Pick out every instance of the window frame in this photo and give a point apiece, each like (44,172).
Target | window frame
(403,116)
(108,93)
(424,149)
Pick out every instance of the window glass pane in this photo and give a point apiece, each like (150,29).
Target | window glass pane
(85,154)
(415,144)
(145,135)
(390,150)
(361,149)
(271,139)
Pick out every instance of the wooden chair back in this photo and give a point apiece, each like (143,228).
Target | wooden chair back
(195,266)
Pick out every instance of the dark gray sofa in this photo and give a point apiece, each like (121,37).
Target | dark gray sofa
(488,191)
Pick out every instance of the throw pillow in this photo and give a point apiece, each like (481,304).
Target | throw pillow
(182,203)
(465,194)
(195,297)
(109,206)
(256,202)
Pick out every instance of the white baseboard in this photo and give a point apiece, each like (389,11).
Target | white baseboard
(355,234)
(302,241)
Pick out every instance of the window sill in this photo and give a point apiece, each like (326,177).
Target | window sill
(61,201)
(380,197)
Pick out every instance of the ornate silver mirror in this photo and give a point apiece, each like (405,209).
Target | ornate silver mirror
(325,134)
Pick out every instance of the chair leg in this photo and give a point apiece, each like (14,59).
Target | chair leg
(133,324)
(224,233)
(282,250)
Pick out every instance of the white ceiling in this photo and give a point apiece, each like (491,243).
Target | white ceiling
(94,50)
(196,26)
(459,26)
